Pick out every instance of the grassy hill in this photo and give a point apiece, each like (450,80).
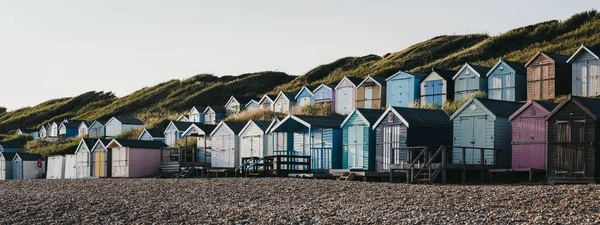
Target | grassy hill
(169,99)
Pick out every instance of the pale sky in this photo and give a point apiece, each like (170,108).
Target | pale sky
(52,48)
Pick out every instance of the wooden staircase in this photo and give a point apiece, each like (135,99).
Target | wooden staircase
(421,169)
(346,176)
(185,172)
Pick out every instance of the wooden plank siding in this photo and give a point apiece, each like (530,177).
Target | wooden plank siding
(367,143)
(586,72)
(547,79)
(386,140)
(377,91)
(529,137)
(571,111)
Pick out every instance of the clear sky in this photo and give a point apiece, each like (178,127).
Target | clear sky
(53,48)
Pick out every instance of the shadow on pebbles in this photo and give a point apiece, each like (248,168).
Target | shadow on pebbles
(291,201)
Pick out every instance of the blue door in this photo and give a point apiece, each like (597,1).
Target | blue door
(429,98)
(437,91)
(17,170)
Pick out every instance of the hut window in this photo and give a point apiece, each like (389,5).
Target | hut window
(570,131)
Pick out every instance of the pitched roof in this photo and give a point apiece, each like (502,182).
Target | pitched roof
(517,66)
(89,142)
(8,156)
(207,128)
(29,130)
(129,120)
(379,80)
(200,109)
(595,51)
(105,141)
(557,57)
(73,124)
(182,125)
(371,115)
(102,122)
(236,127)
(156,132)
(546,105)
(289,95)
(243,99)
(13,143)
(30,157)
(141,144)
(355,80)
(480,69)
(262,124)
(217,109)
(593,104)
(322,121)
(499,108)
(446,74)
(423,117)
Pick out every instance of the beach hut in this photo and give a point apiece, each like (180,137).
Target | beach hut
(470,79)
(371,93)
(174,131)
(585,65)
(277,141)
(118,125)
(70,166)
(483,123)
(83,128)
(226,145)
(34,133)
(12,146)
(267,101)
(324,94)
(203,141)
(56,167)
(304,97)
(135,158)
(97,129)
(507,81)
(284,102)
(529,139)
(319,137)
(572,150)
(344,95)
(43,132)
(403,89)
(6,171)
(548,76)
(183,118)
(28,166)
(69,129)
(437,87)
(53,133)
(253,139)
(236,104)
(251,105)
(400,127)
(214,114)
(101,159)
(83,157)
(153,134)
(358,139)
(196,114)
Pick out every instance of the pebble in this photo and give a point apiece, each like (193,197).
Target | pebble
(291,201)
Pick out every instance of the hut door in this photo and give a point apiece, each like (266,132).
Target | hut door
(472,136)
(533,131)
(99,163)
(394,138)
(355,147)
(2,169)
(344,100)
(368,97)
(17,170)
(255,146)
(119,165)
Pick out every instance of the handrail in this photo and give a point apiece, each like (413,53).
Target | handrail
(428,163)
(412,164)
(255,163)
(244,164)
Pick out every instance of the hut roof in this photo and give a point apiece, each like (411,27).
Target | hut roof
(139,144)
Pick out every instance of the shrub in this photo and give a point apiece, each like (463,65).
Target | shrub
(256,114)
(130,134)
(47,148)
(451,107)
(316,109)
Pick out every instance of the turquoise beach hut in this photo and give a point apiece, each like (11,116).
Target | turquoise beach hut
(358,139)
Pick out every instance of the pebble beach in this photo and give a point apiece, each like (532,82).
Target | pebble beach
(291,201)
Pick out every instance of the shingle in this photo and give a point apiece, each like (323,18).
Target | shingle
(501,108)
(200,109)
(593,104)
(8,156)
(142,144)
(218,109)
(90,142)
(289,95)
(156,132)
(207,128)
(73,124)
(355,80)
(380,80)
(595,50)
(446,74)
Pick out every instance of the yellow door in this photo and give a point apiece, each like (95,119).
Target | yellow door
(99,164)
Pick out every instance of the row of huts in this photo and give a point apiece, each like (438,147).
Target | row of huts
(544,76)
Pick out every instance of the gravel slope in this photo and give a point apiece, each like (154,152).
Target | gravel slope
(290,201)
